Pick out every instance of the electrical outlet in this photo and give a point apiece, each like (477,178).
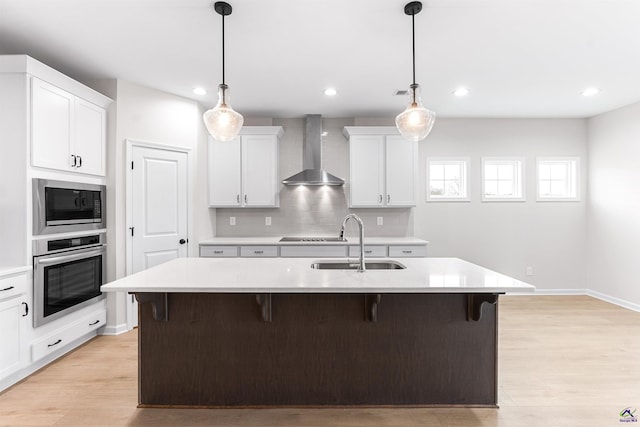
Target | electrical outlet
(232,220)
(380,220)
(529,271)
(267,220)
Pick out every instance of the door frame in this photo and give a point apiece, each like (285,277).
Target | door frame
(129,146)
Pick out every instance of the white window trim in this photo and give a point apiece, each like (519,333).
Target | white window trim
(466,181)
(521,183)
(558,199)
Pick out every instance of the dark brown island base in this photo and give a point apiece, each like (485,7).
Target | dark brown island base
(317,349)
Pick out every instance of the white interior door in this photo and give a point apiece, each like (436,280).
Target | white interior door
(159,188)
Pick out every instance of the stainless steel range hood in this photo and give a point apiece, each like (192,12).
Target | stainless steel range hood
(313,174)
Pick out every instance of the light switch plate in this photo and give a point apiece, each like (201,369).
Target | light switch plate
(267,220)
(232,220)
(380,220)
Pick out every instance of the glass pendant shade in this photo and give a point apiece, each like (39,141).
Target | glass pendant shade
(222,122)
(415,122)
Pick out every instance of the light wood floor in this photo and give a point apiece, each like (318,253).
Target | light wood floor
(564,361)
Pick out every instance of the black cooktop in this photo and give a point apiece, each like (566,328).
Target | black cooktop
(312,239)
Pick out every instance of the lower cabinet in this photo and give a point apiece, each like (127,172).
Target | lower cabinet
(13,324)
(311,251)
(408,251)
(322,251)
(63,336)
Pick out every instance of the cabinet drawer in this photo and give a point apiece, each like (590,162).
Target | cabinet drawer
(258,251)
(408,251)
(375,251)
(313,251)
(13,286)
(218,251)
(64,336)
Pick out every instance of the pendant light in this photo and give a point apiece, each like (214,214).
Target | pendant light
(222,122)
(415,122)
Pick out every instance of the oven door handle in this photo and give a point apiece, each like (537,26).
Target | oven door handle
(66,258)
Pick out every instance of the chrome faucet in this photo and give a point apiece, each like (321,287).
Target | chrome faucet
(361,268)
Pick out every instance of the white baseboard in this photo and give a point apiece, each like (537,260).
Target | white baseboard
(115,329)
(589,292)
(551,292)
(614,300)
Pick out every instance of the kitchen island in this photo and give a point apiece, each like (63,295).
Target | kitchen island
(276,332)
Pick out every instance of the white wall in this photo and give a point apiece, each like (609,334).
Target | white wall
(146,114)
(508,236)
(614,203)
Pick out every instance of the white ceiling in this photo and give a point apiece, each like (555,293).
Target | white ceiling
(519,58)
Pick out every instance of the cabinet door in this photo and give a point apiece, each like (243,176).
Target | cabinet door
(366,171)
(52,111)
(401,171)
(90,137)
(224,173)
(260,170)
(12,336)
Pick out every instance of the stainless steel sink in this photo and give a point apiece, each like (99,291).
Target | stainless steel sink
(346,265)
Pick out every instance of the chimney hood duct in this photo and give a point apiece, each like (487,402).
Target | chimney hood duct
(313,174)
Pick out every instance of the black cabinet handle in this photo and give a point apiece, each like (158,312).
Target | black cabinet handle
(407,252)
(26,309)
(79,161)
(258,252)
(7,289)
(94,323)
(55,343)
(74,161)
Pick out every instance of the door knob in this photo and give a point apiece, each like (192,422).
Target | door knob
(182,241)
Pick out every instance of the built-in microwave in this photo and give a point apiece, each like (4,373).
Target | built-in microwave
(61,206)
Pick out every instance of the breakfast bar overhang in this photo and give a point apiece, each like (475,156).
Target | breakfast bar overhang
(276,332)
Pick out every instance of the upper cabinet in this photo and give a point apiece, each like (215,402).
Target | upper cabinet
(244,172)
(68,133)
(383,168)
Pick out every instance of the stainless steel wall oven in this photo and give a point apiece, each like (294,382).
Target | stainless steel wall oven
(61,206)
(67,275)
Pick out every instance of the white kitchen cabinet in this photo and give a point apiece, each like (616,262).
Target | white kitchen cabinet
(369,251)
(13,324)
(215,251)
(382,168)
(62,337)
(67,132)
(322,251)
(408,251)
(244,172)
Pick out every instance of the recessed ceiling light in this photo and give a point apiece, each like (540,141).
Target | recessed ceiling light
(461,91)
(590,91)
(199,91)
(330,91)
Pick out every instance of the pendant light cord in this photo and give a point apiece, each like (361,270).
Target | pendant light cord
(413,35)
(223,50)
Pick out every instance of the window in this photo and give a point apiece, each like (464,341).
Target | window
(447,179)
(502,179)
(558,178)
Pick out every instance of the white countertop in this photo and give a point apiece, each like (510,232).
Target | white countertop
(295,275)
(276,241)
(11,270)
